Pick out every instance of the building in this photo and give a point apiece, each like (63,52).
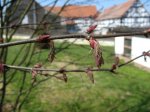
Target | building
(130,14)
(133,46)
(76,18)
(34,15)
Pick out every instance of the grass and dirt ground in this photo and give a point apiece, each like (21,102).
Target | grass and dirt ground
(126,91)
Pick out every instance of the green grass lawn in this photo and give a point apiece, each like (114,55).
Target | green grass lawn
(126,91)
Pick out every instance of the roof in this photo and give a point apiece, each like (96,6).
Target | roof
(74,11)
(116,11)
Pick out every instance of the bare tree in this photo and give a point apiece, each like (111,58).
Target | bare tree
(12,13)
(11,23)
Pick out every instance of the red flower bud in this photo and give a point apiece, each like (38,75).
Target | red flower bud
(91,29)
(97,52)
(93,42)
(113,67)
(35,72)
(90,74)
(51,54)
(116,63)
(146,53)
(117,60)
(63,77)
(43,38)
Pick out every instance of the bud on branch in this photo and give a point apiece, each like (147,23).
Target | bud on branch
(116,63)
(91,29)
(51,54)
(146,54)
(90,74)
(63,77)
(97,52)
(35,72)
(43,38)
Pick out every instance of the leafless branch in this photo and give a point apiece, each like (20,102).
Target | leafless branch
(29,69)
(70,36)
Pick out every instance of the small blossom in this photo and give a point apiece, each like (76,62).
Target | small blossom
(117,60)
(63,77)
(113,67)
(43,38)
(93,42)
(97,52)
(91,29)
(146,54)
(116,63)
(90,74)
(51,54)
(35,72)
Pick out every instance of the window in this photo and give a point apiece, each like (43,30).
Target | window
(72,28)
(127,47)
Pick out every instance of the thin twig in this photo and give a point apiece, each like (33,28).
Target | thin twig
(17,43)
(28,69)
(121,65)
(70,36)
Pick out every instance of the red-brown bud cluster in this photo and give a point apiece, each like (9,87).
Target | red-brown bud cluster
(116,63)
(93,42)
(146,53)
(35,71)
(90,74)
(63,77)
(91,29)
(43,38)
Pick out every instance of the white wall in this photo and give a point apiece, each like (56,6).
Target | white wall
(119,45)
(83,24)
(25,20)
(63,21)
(139,45)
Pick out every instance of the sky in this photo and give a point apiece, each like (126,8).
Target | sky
(100,4)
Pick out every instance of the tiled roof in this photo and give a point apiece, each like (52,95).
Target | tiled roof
(116,11)
(74,11)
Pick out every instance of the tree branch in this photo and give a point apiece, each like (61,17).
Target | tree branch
(70,36)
